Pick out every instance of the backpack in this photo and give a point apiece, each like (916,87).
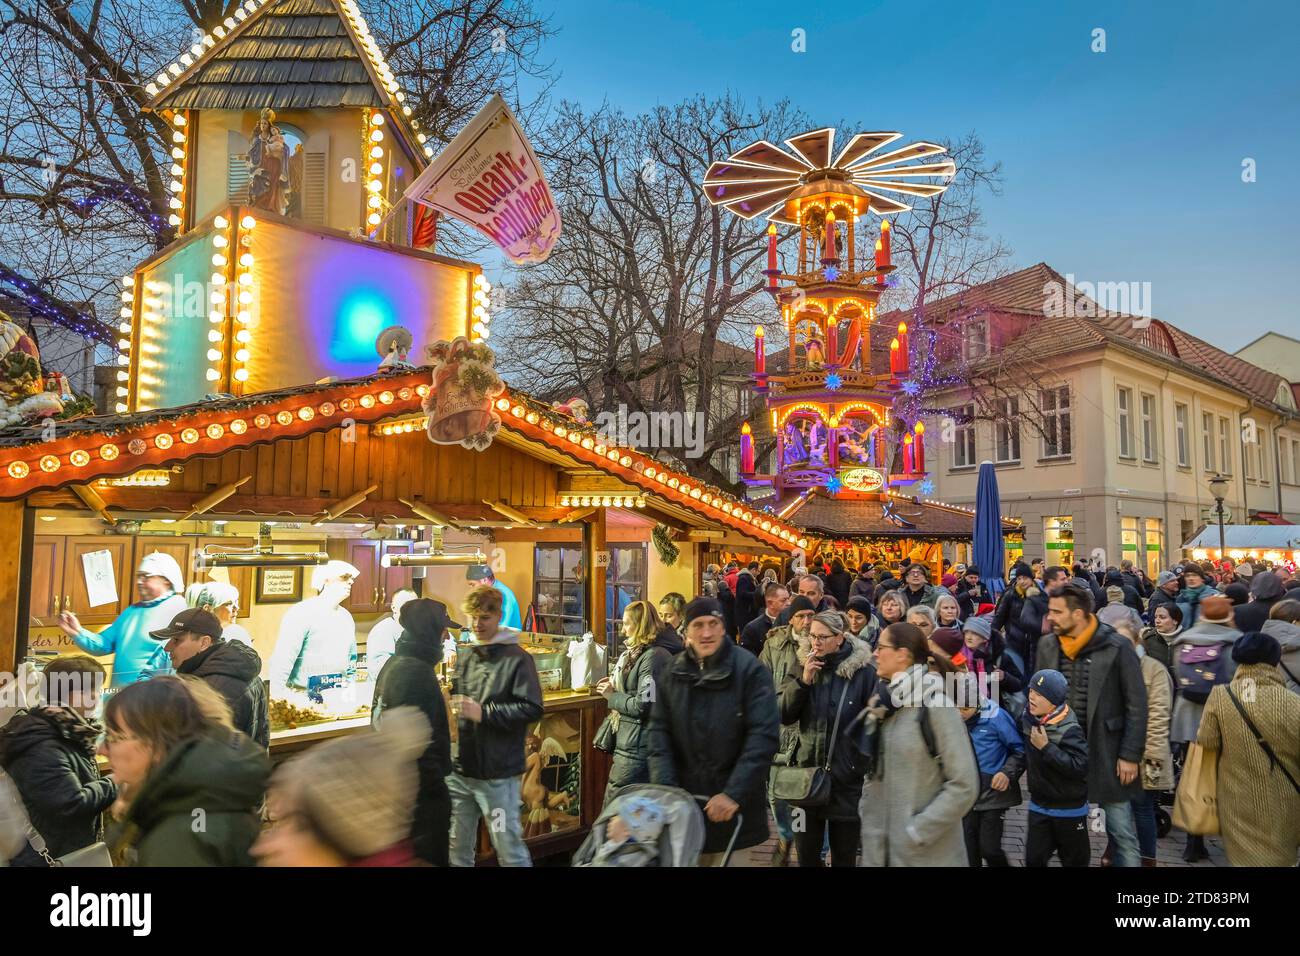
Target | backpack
(1199,667)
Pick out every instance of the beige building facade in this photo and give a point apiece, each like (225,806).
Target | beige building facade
(1105,431)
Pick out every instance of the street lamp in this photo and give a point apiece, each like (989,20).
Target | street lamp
(1219,489)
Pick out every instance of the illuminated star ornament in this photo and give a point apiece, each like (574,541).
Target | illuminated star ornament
(927,487)
(911,387)
(831,273)
(833,484)
(833,381)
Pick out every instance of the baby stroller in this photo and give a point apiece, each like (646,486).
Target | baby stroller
(680,839)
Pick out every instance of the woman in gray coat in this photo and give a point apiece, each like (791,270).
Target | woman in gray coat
(924,779)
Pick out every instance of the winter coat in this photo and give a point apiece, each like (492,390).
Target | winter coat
(1157,771)
(1288,635)
(1118,614)
(632,702)
(727,598)
(714,729)
(812,708)
(928,595)
(1259,810)
(234,670)
(969,598)
(863,587)
(998,749)
(1189,601)
(1141,585)
(1109,697)
(780,658)
(49,753)
(502,677)
(136,655)
(1132,597)
(1158,648)
(748,601)
(838,585)
(1187,713)
(1265,591)
(754,633)
(1159,597)
(1008,618)
(409,679)
(913,803)
(1058,773)
(224,776)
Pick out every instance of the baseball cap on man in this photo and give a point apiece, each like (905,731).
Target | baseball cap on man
(192,620)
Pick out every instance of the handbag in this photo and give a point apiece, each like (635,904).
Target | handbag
(1264,744)
(605,734)
(809,786)
(96,854)
(1196,805)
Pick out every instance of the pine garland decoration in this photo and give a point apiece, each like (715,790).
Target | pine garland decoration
(668,552)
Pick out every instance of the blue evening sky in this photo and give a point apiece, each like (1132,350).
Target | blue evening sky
(1119,166)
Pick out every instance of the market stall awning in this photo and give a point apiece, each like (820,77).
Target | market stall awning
(85,450)
(1247,537)
(893,517)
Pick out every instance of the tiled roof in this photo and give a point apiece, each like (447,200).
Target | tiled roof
(865,517)
(293,54)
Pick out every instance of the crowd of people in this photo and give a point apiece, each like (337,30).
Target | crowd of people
(877,718)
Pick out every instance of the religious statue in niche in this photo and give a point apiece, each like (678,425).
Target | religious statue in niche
(855,442)
(275,180)
(806,442)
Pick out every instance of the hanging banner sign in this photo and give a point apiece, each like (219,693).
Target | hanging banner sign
(489,177)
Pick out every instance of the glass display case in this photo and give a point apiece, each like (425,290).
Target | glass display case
(559,658)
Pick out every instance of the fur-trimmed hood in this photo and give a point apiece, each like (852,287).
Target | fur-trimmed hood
(858,657)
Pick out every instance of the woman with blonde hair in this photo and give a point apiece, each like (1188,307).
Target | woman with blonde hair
(947,611)
(892,607)
(173,751)
(630,691)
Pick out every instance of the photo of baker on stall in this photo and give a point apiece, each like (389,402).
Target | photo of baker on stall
(314,663)
(136,656)
(381,642)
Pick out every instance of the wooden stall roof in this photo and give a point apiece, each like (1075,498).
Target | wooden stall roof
(868,518)
(308,447)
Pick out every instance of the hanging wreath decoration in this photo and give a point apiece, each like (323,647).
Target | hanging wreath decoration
(668,552)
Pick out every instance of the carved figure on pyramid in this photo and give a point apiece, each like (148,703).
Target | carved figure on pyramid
(266,160)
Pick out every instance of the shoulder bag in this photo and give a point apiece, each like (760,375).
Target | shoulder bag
(1196,804)
(1259,739)
(809,786)
(96,854)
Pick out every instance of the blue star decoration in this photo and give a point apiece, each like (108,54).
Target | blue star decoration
(911,387)
(927,487)
(833,484)
(833,381)
(831,273)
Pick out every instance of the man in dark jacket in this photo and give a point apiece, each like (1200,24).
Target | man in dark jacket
(864,584)
(775,598)
(496,696)
(971,592)
(1089,580)
(838,583)
(747,600)
(714,731)
(49,754)
(231,668)
(1265,591)
(1109,696)
(409,678)
(1165,592)
(1137,582)
(1007,615)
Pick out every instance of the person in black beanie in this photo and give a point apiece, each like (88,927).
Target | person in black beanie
(409,679)
(971,592)
(714,730)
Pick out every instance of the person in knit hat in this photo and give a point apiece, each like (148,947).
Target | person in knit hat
(988,658)
(136,656)
(1057,772)
(946,641)
(348,802)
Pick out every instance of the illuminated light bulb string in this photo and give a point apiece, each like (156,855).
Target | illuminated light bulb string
(41,303)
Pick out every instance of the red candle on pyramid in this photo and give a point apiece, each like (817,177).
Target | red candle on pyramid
(880,261)
(885,243)
(907,454)
(746,450)
(893,357)
(760,358)
(828,250)
(832,341)
(771,256)
(919,446)
(904,354)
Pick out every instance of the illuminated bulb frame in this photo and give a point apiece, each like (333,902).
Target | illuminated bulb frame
(240,339)
(480,309)
(130,290)
(372,137)
(180,144)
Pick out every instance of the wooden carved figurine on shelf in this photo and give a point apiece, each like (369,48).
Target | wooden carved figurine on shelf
(814,354)
(394,344)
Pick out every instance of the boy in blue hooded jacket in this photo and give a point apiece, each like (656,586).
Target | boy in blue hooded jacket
(1000,754)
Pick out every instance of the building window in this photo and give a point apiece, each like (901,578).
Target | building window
(1283,461)
(1124,421)
(1057,438)
(1129,545)
(1155,547)
(558,589)
(1225,449)
(974,340)
(963,453)
(1207,439)
(1180,432)
(1007,432)
(1248,459)
(1295,461)
(625,582)
(1148,412)
(1058,539)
